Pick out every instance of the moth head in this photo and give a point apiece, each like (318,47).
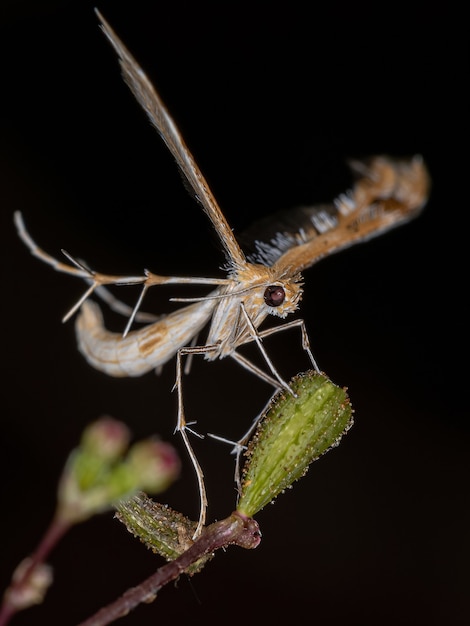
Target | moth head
(283,297)
(267,292)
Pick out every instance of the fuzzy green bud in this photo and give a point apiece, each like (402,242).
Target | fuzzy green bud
(294,431)
(101,470)
(163,530)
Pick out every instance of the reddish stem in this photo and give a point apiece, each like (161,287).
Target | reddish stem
(236,529)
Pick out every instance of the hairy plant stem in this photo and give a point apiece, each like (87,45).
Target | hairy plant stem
(234,530)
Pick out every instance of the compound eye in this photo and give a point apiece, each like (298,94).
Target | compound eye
(274,295)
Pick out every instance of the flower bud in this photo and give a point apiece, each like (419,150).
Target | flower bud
(29,586)
(294,431)
(98,472)
(154,463)
(106,438)
(162,529)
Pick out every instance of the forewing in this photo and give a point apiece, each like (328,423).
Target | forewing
(152,104)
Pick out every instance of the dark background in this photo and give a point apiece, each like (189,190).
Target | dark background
(272,100)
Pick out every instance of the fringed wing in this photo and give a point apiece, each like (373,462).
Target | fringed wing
(388,193)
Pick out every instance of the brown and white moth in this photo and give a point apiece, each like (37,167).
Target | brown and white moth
(388,193)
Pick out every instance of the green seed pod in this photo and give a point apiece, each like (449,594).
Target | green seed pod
(294,431)
(160,528)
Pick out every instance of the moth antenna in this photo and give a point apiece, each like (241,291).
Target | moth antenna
(40,254)
(219,296)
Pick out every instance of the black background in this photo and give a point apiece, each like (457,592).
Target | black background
(272,100)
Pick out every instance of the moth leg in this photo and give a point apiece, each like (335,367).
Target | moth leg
(182,428)
(240,446)
(257,337)
(305,339)
(189,360)
(251,367)
(118,306)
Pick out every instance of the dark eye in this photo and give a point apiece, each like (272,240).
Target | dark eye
(274,295)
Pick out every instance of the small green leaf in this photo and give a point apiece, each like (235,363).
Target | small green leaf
(294,431)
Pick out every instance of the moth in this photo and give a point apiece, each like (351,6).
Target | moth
(388,192)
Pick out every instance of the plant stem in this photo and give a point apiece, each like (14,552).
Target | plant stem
(235,529)
(13,600)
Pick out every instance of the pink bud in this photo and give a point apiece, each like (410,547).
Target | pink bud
(106,438)
(155,464)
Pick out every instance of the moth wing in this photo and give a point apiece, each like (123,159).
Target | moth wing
(147,96)
(388,193)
